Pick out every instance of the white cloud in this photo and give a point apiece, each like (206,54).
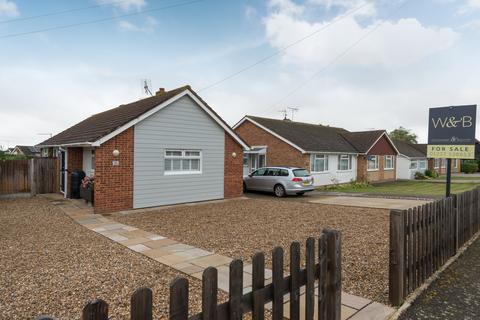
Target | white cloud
(125,5)
(367,6)
(473,3)
(148,25)
(250,12)
(393,44)
(8,8)
(285,7)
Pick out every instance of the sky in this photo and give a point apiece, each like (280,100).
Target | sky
(356,64)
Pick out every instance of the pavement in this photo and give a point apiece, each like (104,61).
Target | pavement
(380,203)
(193,261)
(455,295)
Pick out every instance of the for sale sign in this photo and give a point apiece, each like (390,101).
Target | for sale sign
(451,132)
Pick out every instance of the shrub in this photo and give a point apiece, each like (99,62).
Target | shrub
(430,173)
(470,166)
(420,176)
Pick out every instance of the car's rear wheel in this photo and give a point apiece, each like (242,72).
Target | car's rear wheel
(279,190)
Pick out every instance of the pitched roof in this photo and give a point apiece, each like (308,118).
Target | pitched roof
(102,124)
(309,137)
(422,147)
(363,140)
(409,149)
(28,150)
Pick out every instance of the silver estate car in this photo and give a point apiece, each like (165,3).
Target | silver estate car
(279,180)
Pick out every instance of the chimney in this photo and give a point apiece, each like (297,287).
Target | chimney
(160,92)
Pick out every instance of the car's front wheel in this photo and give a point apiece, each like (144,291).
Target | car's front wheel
(279,190)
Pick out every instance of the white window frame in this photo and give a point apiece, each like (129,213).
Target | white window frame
(181,158)
(424,166)
(349,159)
(455,163)
(376,163)
(325,163)
(415,163)
(385,163)
(437,165)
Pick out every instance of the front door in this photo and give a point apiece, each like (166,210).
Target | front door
(62,171)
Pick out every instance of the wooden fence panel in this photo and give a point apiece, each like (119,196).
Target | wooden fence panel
(14,176)
(36,175)
(422,239)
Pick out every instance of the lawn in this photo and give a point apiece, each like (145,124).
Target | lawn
(464,177)
(411,188)
(51,265)
(240,228)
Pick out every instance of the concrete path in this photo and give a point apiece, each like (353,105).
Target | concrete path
(455,294)
(192,261)
(381,203)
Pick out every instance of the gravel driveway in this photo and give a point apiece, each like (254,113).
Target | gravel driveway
(239,228)
(51,265)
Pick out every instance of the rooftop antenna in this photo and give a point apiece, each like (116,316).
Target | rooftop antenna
(146,84)
(293,110)
(284,112)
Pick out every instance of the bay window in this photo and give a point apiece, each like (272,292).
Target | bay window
(388,163)
(372,163)
(344,162)
(319,163)
(183,161)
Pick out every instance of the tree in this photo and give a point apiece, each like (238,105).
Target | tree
(404,135)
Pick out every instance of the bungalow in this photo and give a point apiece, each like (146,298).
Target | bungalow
(27,151)
(439,165)
(333,155)
(166,149)
(410,160)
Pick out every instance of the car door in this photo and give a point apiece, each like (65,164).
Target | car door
(255,181)
(270,179)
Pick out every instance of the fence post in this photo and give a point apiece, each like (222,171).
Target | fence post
(179,299)
(334,274)
(95,310)
(141,304)
(397,257)
(455,222)
(31,173)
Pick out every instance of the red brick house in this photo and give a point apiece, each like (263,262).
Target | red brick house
(333,155)
(439,165)
(166,149)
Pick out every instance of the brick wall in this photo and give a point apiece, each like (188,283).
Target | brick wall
(279,153)
(114,184)
(443,168)
(380,175)
(233,176)
(74,163)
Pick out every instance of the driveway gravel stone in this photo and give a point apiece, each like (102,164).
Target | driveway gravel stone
(240,228)
(52,265)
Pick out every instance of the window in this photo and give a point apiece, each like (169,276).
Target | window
(301,173)
(344,162)
(413,165)
(183,161)
(45,152)
(444,163)
(455,163)
(273,172)
(93,161)
(245,160)
(284,173)
(319,163)
(372,163)
(259,172)
(437,163)
(388,163)
(422,164)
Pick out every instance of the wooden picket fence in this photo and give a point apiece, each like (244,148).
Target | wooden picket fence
(422,239)
(322,265)
(37,175)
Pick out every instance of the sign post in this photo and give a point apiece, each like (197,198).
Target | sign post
(451,135)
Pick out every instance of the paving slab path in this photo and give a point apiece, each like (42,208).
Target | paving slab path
(193,261)
(455,295)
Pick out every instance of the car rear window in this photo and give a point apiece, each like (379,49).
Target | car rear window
(300,173)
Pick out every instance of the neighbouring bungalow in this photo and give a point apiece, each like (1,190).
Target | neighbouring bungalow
(333,155)
(27,151)
(439,165)
(167,149)
(410,160)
